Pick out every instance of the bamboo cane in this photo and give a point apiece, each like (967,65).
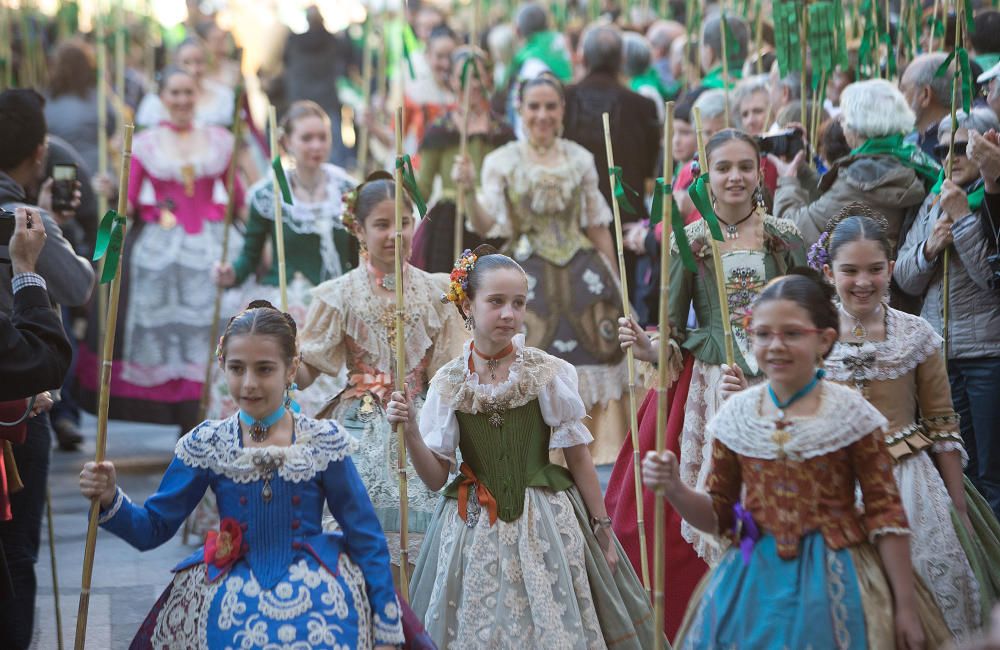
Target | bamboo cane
(720,277)
(6,51)
(804,93)
(102,154)
(105,395)
(630,361)
(930,35)
(404,501)
(946,258)
(120,51)
(55,574)
(662,404)
(279,232)
(366,94)
(227,223)
(817,112)
(759,41)
(724,25)
(463,151)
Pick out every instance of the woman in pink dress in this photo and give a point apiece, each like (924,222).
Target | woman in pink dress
(177,201)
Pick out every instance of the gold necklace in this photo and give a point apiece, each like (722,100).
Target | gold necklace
(542,150)
(859,331)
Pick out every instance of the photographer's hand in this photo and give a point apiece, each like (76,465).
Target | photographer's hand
(45,202)
(27,241)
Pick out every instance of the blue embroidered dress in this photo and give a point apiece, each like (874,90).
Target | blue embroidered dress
(284,582)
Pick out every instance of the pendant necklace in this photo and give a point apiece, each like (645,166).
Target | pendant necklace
(859,331)
(385,280)
(492,362)
(260,429)
(732,229)
(799,394)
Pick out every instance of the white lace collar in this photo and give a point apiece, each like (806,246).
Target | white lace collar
(531,370)
(303,217)
(909,341)
(215,445)
(843,418)
(209,161)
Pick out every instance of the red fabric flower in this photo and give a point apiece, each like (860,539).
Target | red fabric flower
(223,548)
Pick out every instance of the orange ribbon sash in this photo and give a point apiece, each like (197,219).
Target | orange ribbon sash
(483,495)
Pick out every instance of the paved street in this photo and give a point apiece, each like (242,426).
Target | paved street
(126,582)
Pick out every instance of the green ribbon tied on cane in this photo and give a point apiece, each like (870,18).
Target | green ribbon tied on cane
(470,64)
(110,237)
(279,175)
(404,164)
(620,189)
(699,196)
(410,45)
(966,74)
(660,192)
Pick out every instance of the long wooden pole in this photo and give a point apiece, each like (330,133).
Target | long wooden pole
(724,25)
(404,500)
(630,361)
(463,151)
(52,562)
(720,274)
(279,232)
(662,403)
(366,94)
(946,258)
(105,395)
(102,150)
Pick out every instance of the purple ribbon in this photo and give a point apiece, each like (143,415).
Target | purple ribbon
(745,527)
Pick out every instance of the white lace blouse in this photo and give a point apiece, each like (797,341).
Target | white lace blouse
(534,374)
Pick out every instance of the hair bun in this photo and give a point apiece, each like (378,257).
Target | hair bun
(483,250)
(261,304)
(378,175)
(816,277)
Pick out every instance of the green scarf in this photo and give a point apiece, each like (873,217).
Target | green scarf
(651,78)
(975,196)
(906,153)
(987,61)
(542,46)
(713,79)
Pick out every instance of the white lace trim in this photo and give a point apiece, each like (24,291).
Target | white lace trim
(909,341)
(944,446)
(108,515)
(843,418)
(887,530)
(388,630)
(215,445)
(215,153)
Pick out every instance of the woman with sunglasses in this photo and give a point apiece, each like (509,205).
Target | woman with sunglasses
(440,158)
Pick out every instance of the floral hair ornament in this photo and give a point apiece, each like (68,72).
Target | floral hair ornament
(350,200)
(459,279)
(819,253)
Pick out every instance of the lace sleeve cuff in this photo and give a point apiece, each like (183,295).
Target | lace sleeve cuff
(388,625)
(887,530)
(944,445)
(570,434)
(110,513)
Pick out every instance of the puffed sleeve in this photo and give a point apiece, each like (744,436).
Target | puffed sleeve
(872,464)
(147,526)
(439,427)
(492,194)
(725,480)
(563,410)
(321,340)
(594,209)
(350,505)
(936,411)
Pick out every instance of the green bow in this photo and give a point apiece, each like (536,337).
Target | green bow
(404,164)
(619,188)
(279,175)
(966,74)
(676,222)
(699,196)
(110,237)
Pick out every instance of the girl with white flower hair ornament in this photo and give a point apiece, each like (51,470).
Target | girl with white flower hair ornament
(520,551)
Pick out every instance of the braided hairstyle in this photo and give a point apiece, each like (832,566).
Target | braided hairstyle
(264,319)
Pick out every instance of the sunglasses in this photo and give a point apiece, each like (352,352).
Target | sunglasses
(941,150)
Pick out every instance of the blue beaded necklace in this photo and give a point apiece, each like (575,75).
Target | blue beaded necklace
(260,428)
(799,394)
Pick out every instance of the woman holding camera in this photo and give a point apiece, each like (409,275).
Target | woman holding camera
(958,215)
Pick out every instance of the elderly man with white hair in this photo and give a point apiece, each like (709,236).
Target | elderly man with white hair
(882,171)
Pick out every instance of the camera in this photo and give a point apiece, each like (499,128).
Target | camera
(783,145)
(6,232)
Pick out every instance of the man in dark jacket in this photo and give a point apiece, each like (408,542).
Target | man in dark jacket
(635,129)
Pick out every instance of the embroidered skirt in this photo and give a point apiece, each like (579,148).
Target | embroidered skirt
(309,608)
(823,598)
(541,581)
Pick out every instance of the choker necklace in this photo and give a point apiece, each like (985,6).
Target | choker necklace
(732,231)
(385,280)
(859,331)
(799,394)
(492,361)
(259,429)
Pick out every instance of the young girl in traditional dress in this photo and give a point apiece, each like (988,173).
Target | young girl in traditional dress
(520,553)
(351,323)
(786,457)
(270,576)
(318,247)
(757,248)
(895,360)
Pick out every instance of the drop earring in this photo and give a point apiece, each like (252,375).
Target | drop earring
(363,249)
(470,324)
(759,197)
